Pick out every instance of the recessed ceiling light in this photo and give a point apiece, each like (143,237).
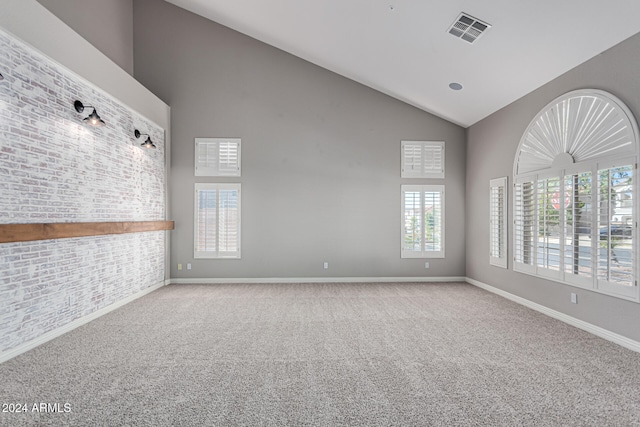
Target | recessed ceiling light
(455,86)
(392,8)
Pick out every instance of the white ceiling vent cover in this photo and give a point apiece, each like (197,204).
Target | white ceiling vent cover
(468,28)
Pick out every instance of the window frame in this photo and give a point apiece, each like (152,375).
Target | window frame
(425,147)
(583,132)
(423,253)
(217,169)
(217,253)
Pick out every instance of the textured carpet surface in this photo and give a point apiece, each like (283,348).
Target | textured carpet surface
(324,355)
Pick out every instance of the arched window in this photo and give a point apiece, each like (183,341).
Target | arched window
(574,194)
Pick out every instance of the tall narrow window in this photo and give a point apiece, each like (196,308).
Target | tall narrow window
(422,159)
(574,203)
(217,221)
(422,221)
(217,157)
(498,222)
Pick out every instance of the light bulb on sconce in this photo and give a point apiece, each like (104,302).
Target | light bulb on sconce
(147,143)
(92,119)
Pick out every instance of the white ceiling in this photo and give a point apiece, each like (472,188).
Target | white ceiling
(407,52)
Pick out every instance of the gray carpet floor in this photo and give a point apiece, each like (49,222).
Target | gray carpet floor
(325,355)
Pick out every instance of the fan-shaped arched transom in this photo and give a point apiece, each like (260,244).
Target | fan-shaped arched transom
(578,126)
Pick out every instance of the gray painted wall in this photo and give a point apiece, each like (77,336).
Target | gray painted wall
(108,25)
(491,148)
(320,154)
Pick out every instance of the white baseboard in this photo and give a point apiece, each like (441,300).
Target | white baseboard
(6,355)
(217,280)
(581,324)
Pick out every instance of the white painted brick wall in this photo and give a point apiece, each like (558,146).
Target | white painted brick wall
(55,169)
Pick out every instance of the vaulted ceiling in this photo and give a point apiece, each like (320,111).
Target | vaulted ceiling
(403,47)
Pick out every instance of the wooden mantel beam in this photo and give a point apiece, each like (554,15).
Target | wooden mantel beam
(29,232)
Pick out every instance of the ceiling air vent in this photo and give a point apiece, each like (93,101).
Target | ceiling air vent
(468,28)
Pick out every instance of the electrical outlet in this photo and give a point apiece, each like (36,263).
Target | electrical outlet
(189,266)
(179,266)
(574,298)
(426,264)
(326,265)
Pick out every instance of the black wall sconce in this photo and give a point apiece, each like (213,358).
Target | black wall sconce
(1,77)
(92,119)
(147,143)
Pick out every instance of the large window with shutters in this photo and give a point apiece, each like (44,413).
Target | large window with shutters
(422,159)
(422,221)
(217,157)
(575,208)
(217,221)
(498,222)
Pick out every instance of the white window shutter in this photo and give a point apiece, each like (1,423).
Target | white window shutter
(433,220)
(217,157)
(422,159)
(411,160)
(524,225)
(578,226)
(549,199)
(206,236)
(229,223)
(616,224)
(498,222)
